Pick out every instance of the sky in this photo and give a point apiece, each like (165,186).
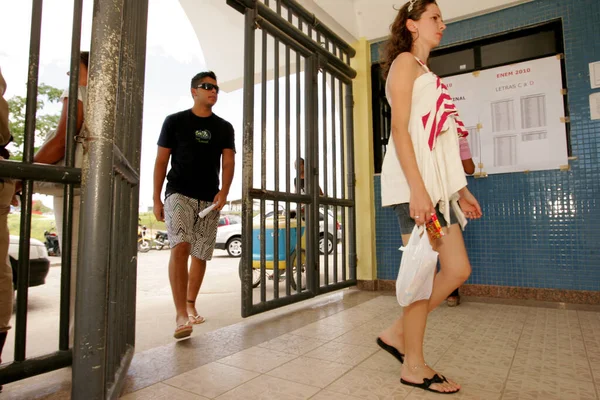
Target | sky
(174,56)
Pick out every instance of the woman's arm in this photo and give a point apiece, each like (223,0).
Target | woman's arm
(402,77)
(54,149)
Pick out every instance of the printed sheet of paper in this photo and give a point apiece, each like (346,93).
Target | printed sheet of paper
(595,75)
(595,105)
(513,114)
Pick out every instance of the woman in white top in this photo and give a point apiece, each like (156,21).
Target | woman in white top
(422,174)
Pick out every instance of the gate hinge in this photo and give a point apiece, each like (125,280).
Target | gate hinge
(255,17)
(321,62)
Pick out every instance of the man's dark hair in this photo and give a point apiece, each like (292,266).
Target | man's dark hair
(84,57)
(198,78)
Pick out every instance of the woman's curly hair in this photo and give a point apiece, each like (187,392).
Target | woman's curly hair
(401,39)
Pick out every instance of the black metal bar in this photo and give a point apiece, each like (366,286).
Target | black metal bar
(248,162)
(280,302)
(259,194)
(89,358)
(263,170)
(114,303)
(343,146)
(302,13)
(115,391)
(299,189)
(351,180)
(276,162)
(325,180)
(336,72)
(32,80)
(312,162)
(39,172)
(288,271)
(124,168)
(337,286)
(35,366)
(67,233)
(290,30)
(137,98)
(265,25)
(334,173)
(319,26)
(25,228)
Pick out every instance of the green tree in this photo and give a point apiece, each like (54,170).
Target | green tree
(45,123)
(38,206)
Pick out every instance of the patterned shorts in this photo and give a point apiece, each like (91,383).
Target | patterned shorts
(185,226)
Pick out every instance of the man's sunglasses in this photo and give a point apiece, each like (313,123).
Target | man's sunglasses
(208,86)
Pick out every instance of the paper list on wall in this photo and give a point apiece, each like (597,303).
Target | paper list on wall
(519,109)
(595,105)
(595,75)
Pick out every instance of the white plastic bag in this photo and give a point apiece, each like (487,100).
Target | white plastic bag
(417,269)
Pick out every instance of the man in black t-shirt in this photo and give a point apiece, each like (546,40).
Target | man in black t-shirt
(196,141)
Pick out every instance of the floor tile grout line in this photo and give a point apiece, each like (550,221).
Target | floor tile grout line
(173,386)
(513,358)
(596,387)
(270,376)
(262,373)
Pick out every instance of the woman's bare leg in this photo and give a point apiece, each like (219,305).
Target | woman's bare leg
(408,331)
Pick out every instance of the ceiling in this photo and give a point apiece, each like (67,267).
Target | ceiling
(220,29)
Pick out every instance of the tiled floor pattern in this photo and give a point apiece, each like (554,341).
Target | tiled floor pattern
(495,351)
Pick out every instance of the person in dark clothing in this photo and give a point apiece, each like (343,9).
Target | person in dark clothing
(197,142)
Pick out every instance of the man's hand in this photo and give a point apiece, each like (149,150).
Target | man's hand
(220,200)
(159,210)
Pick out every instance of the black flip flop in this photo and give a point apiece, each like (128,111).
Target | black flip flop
(392,350)
(428,382)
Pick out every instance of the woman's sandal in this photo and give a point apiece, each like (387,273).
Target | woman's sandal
(428,382)
(392,350)
(183,330)
(196,319)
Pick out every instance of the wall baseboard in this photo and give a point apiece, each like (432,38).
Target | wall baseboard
(503,292)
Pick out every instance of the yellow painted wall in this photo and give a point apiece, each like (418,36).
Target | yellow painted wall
(363,159)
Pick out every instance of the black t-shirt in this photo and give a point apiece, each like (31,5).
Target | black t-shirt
(196,145)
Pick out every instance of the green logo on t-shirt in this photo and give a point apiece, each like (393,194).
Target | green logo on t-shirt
(203,136)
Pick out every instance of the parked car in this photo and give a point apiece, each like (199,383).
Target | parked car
(39,264)
(229,220)
(229,237)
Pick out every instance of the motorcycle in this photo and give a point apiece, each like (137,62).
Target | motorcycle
(51,243)
(160,240)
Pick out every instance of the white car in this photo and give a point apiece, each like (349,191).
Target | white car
(39,264)
(229,237)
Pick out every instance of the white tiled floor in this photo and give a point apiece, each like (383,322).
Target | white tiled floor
(494,351)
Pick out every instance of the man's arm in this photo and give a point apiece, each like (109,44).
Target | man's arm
(228,161)
(160,172)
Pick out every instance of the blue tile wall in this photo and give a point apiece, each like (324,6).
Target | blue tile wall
(540,229)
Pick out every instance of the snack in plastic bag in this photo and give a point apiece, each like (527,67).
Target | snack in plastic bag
(434,227)
(417,269)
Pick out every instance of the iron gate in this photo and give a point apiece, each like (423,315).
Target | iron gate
(106,266)
(303,236)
